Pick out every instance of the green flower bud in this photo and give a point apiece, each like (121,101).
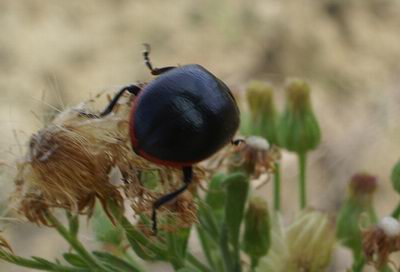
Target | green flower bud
(256,236)
(263,113)
(215,196)
(395,177)
(306,245)
(299,127)
(358,203)
(237,187)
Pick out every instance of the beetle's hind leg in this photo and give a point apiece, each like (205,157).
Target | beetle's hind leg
(133,89)
(154,71)
(187,179)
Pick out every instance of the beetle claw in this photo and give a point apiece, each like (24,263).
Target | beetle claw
(89,115)
(238,142)
(147,48)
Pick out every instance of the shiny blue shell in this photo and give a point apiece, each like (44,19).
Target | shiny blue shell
(183,116)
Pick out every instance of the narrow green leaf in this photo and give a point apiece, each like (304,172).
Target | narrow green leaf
(74,259)
(187,269)
(142,244)
(116,262)
(42,261)
(192,260)
(39,263)
(22,261)
(141,251)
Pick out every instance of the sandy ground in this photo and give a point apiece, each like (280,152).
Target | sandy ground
(58,53)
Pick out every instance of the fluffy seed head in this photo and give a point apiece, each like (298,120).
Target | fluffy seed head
(78,158)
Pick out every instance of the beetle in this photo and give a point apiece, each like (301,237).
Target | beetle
(180,118)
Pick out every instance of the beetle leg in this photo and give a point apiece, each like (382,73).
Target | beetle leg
(133,89)
(187,179)
(154,71)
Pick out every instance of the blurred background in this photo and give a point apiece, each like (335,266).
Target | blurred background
(55,54)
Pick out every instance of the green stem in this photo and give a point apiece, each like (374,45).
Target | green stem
(74,242)
(205,245)
(196,263)
(254,263)
(142,239)
(174,257)
(277,187)
(396,212)
(359,263)
(302,180)
(128,257)
(224,248)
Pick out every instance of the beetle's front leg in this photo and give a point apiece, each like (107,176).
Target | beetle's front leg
(133,89)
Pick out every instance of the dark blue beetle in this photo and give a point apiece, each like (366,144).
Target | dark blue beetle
(182,117)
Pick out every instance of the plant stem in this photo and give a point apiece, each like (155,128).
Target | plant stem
(196,263)
(224,248)
(205,244)
(396,212)
(174,257)
(302,180)
(254,263)
(74,242)
(277,187)
(358,264)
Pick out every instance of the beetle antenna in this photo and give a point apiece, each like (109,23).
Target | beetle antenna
(146,53)
(146,56)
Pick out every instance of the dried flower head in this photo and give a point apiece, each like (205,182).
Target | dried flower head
(183,208)
(381,240)
(77,159)
(255,156)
